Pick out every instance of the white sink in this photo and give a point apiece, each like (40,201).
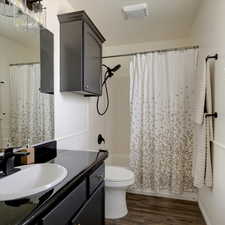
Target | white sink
(30,181)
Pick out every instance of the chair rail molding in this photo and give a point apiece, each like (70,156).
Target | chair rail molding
(75,134)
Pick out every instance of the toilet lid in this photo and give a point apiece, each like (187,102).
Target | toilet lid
(117,174)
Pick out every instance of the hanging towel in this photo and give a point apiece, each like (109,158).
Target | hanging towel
(199,109)
(202,164)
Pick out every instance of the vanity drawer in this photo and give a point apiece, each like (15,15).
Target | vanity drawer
(66,209)
(96,178)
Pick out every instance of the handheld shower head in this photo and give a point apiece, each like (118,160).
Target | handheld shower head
(108,74)
(117,67)
(111,71)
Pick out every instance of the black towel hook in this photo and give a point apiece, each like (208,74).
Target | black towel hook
(215,115)
(216,56)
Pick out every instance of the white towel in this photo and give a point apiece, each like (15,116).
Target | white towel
(202,163)
(199,108)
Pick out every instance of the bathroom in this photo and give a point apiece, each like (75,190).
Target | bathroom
(145,38)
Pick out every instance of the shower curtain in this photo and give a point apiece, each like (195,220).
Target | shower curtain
(161,106)
(31,112)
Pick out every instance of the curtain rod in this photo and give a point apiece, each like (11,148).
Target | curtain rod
(145,52)
(24,64)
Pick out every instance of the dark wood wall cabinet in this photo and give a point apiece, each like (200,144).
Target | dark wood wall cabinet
(47,61)
(80,54)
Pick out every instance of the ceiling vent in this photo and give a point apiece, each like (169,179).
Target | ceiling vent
(135,11)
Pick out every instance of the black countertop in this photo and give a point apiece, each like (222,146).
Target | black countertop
(77,163)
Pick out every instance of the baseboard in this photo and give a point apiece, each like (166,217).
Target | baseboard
(218,144)
(185,196)
(206,218)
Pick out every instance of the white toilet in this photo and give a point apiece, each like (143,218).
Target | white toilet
(117,180)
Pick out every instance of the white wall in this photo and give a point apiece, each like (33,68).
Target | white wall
(71,110)
(209,33)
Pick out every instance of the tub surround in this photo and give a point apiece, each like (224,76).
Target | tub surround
(72,201)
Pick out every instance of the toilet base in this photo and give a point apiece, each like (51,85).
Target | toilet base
(115,203)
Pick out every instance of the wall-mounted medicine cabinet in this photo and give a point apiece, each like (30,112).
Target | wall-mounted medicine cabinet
(47,61)
(80,54)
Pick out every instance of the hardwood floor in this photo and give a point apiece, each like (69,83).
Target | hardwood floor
(145,210)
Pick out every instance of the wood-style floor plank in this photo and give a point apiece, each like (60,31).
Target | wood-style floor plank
(146,210)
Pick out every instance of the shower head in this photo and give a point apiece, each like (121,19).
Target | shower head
(111,71)
(117,67)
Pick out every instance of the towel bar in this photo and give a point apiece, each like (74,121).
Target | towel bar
(215,115)
(212,57)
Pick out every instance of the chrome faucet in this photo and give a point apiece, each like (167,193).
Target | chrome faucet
(7,161)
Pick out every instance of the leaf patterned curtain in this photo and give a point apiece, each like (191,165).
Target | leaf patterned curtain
(161,101)
(31,112)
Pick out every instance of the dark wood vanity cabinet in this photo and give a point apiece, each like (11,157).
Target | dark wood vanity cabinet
(47,61)
(84,205)
(62,213)
(80,54)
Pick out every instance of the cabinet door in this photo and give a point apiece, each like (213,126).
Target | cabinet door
(94,212)
(92,62)
(71,60)
(64,211)
(47,61)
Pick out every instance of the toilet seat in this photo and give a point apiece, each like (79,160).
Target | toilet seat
(118,176)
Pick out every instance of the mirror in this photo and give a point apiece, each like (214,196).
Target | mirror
(26,114)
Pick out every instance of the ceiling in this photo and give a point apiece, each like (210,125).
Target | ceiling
(168,19)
